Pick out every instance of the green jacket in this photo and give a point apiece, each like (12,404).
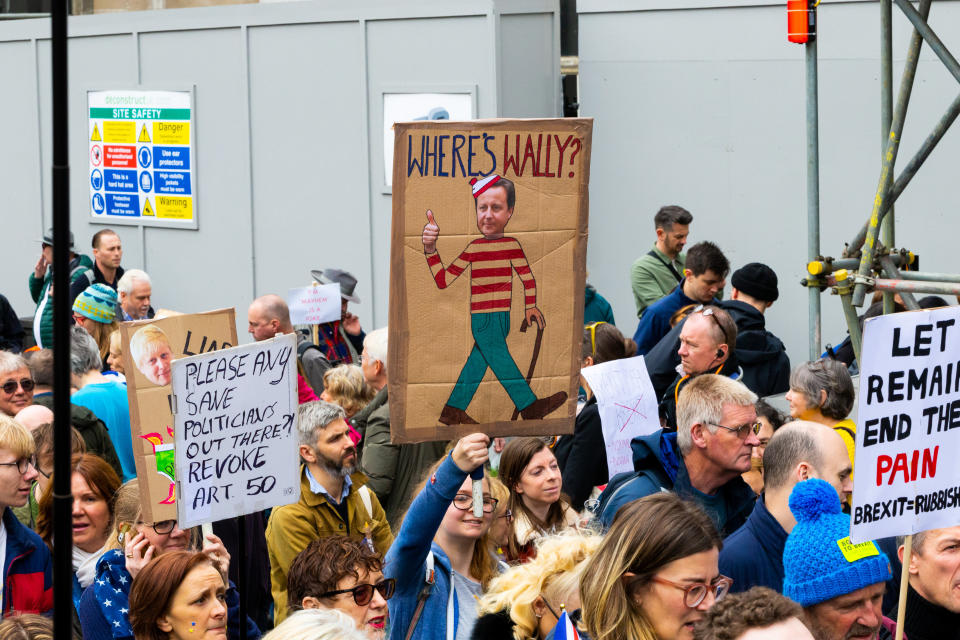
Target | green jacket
(651,279)
(92,430)
(294,526)
(80,267)
(393,470)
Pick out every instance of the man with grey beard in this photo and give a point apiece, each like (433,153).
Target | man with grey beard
(333,498)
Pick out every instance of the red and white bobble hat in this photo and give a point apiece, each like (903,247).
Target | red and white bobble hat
(481,185)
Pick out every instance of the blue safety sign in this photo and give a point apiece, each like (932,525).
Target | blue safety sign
(172,158)
(96,180)
(121,180)
(98,205)
(121,204)
(174,182)
(143,157)
(146,182)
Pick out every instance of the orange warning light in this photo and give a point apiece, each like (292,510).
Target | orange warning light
(801,21)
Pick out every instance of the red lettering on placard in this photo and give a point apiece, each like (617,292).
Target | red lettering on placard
(120,156)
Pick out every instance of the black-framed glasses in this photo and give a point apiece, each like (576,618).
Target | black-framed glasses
(22,465)
(592,328)
(464,502)
(574,615)
(363,593)
(10,386)
(163,527)
(693,594)
(743,430)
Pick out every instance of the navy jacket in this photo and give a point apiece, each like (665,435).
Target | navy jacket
(658,455)
(753,554)
(655,321)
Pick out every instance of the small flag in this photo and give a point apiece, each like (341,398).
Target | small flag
(565,629)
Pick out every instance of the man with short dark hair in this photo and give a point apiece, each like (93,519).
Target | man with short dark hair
(107,255)
(338,572)
(656,273)
(933,599)
(333,498)
(704,276)
(702,461)
(753,554)
(758,614)
(268,316)
(839,584)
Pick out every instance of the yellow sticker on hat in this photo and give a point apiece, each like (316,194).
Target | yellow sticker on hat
(853,552)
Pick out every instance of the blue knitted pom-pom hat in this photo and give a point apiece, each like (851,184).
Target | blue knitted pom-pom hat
(819,561)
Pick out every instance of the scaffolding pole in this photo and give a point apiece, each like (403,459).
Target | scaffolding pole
(813,192)
(889,158)
(886,119)
(890,270)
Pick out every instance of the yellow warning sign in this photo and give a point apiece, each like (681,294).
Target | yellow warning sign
(95,137)
(124,132)
(144,136)
(175,208)
(147,209)
(171,133)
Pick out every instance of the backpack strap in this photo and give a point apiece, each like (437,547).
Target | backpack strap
(666,264)
(422,598)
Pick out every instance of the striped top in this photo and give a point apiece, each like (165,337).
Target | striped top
(491,278)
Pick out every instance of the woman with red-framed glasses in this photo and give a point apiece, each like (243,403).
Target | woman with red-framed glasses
(655,573)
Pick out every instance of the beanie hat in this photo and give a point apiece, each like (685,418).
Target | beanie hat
(97,302)
(756,280)
(481,185)
(819,561)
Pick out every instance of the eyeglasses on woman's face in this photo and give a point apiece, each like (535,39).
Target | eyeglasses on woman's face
(10,386)
(694,593)
(464,502)
(163,527)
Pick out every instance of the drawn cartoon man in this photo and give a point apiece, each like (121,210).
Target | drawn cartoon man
(492,260)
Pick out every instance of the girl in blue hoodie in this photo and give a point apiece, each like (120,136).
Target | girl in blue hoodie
(441,558)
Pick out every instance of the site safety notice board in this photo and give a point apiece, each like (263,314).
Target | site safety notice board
(142,166)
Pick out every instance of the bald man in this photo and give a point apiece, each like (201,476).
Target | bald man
(33,416)
(753,554)
(269,316)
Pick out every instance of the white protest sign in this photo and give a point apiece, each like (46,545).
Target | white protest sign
(314,305)
(627,405)
(906,477)
(235,430)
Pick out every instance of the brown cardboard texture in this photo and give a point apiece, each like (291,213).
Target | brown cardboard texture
(486,300)
(155,343)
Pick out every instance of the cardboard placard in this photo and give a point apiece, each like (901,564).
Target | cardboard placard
(627,405)
(149,394)
(457,349)
(235,426)
(314,305)
(906,478)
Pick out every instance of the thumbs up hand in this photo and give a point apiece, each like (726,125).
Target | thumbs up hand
(430,234)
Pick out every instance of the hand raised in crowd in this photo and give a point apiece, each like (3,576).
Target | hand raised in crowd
(431,231)
(213,548)
(499,444)
(471,451)
(351,324)
(139,553)
(41,269)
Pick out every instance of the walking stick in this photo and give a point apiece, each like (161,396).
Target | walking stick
(533,360)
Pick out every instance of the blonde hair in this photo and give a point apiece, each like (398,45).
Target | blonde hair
(701,401)
(316,624)
(144,339)
(646,535)
(557,568)
(347,387)
(116,344)
(15,437)
(27,626)
(101,335)
(127,512)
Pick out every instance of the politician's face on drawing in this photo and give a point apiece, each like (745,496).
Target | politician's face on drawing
(492,212)
(152,353)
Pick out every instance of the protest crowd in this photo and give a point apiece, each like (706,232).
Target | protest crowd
(731,524)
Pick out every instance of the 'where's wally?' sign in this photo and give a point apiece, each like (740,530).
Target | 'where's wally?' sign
(908,442)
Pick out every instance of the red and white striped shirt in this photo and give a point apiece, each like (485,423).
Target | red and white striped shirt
(491,277)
